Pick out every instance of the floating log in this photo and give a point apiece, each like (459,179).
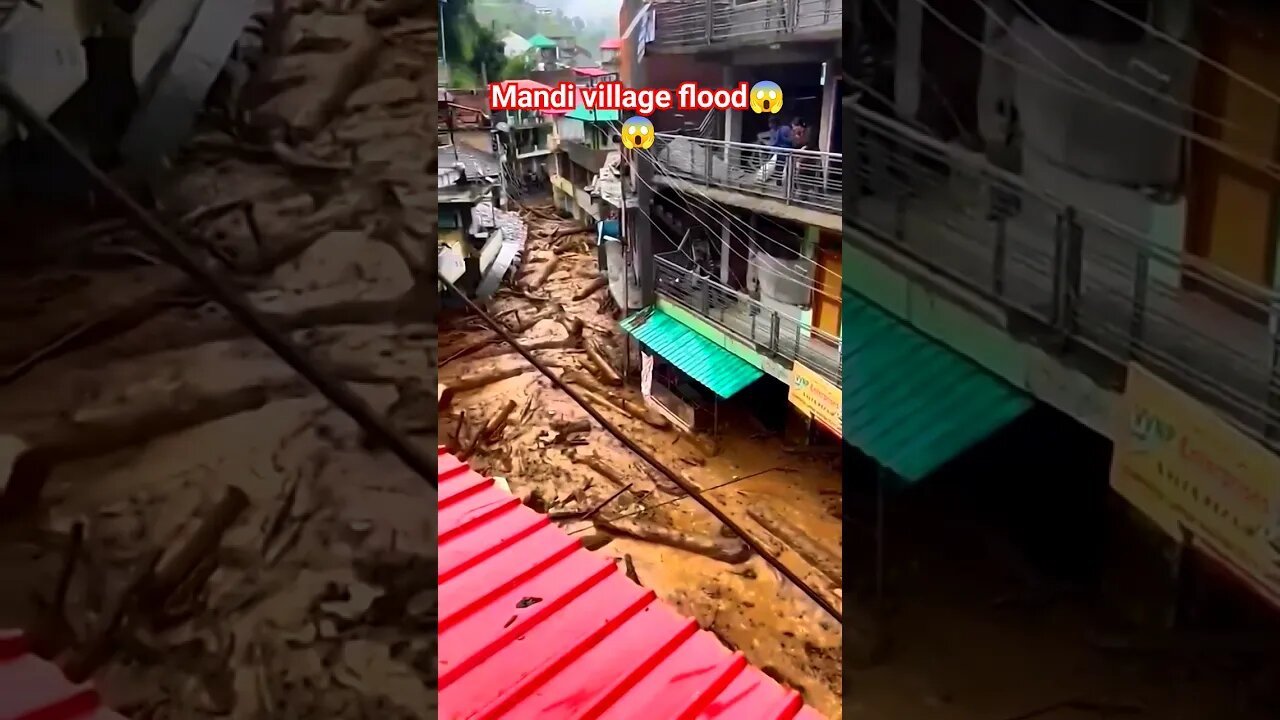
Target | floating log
(491,428)
(605,469)
(591,288)
(565,343)
(728,550)
(603,369)
(478,381)
(631,409)
(800,541)
(539,277)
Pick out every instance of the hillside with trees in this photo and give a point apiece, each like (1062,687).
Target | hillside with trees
(473,32)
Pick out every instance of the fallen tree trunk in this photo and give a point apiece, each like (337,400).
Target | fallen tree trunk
(490,429)
(539,277)
(603,369)
(566,343)
(727,550)
(570,229)
(633,410)
(797,539)
(479,381)
(609,472)
(591,288)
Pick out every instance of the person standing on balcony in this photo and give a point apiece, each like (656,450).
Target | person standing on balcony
(780,136)
(608,230)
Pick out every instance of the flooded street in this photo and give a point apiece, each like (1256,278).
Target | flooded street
(687,558)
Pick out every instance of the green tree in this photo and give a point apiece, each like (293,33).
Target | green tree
(467,44)
(516,68)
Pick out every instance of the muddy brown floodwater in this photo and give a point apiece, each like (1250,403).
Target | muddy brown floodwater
(746,602)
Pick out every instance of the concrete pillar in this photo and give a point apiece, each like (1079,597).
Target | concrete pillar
(732,118)
(906,80)
(726,253)
(642,166)
(830,105)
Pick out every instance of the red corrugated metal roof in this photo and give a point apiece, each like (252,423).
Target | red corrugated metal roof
(35,689)
(533,625)
(592,72)
(611,44)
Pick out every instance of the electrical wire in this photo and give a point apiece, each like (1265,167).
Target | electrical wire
(781,270)
(778,266)
(680,481)
(647,508)
(1157,32)
(180,253)
(1259,164)
(657,166)
(1075,48)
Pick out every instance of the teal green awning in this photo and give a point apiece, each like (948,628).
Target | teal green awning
(585,115)
(701,359)
(911,403)
(541,41)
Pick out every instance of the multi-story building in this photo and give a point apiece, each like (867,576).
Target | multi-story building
(558,53)
(609,55)
(584,178)
(1082,206)
(737,241)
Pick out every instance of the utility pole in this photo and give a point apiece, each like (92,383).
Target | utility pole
(642,169)
(444,50)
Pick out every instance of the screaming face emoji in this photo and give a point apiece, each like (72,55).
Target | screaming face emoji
(637,133)
(766,97)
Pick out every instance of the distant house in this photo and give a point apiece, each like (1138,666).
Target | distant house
(546,52)
(609,54)
(514,45)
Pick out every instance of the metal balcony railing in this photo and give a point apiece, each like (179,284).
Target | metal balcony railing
(1079,274)
(804,178)
(704,22)
(774,334)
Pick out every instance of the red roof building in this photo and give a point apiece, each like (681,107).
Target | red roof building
(533,625)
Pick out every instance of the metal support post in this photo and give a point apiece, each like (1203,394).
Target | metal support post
(1138,316)
(1068,261)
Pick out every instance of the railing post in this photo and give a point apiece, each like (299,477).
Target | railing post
(1138,318)
(788,177)
(998,256)
(1271,421)
(710,15)
(706,160)
(704,297)
(1068,259)
(775,329)
(853,192)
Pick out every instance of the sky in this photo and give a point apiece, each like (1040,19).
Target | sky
(585,9)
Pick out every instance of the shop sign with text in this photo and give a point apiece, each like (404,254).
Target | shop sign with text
(1201,479)
(816,397)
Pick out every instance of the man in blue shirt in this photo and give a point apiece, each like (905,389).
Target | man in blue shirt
(779,133)
(607,230)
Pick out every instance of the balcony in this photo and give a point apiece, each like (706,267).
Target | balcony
(584,156)
(774,334)
(702,23)
(1064,272)
(804,178)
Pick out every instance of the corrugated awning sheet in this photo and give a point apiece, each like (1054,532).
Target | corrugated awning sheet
(911,403)
(701,359)
(532,625)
